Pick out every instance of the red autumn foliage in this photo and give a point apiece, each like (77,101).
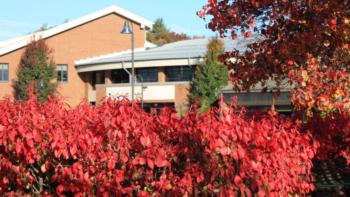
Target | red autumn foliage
(113,149)
(333,133)
(325,88)
(304,42)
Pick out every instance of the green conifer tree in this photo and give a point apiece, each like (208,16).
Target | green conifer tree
(36,72)
(210,77)
(159,33)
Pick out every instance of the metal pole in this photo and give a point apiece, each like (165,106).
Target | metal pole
(142,95)
(132,66)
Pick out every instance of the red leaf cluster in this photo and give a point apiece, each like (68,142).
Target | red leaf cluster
(327,89)
(304,43)
(303,46)
(113,149)
(333,133)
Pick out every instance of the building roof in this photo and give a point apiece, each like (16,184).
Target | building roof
(19,42)
(186,49)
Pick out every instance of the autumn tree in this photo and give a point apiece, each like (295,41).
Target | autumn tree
(210,76)
(161,34)
(303,42)
(174,37)
(36,72)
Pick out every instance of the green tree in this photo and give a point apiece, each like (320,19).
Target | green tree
(161,34)
(210,77)
(36,72)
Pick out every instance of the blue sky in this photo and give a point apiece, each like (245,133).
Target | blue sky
(19,17)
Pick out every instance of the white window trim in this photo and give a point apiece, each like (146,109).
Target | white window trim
(8,72)
(59,81)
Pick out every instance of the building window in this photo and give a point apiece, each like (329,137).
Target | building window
(147,74)
(179,73)
(62,73)
(120,76)
(4,72)
(149,107)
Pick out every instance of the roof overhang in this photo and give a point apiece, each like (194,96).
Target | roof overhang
(139,64)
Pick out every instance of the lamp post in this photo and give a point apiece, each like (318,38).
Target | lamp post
(129,30)
(143,87)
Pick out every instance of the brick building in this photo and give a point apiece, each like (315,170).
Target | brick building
(91,35)
(93,61)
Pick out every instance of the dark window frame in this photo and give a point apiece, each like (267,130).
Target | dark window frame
(61,73)
(180,76)
(120,76)
(4,78)
(151,73)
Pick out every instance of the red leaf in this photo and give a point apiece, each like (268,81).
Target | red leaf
(18,147)
(119,176)
(73,149)
(30,143)
(145,141)
(241,153)
(235,155)
(37,138)
(133,123)
(124,158)
(261,193)
(111,164)
(161,162)
(60,189)
(237,180)
(200,177)
(21,129)
(139,161)
(150,163)
(12,135)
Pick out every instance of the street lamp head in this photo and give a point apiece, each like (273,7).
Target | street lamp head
(126,29)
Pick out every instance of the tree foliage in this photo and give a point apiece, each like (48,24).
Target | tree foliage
(210,76)
(36,72)
(115,150)
(304,42)
(333,133)
(160,34)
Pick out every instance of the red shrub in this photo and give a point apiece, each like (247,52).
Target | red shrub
(114,149)
(333,133)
